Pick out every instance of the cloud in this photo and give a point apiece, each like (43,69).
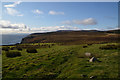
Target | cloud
(13,5)
(54,28)
(111,27)
(66,22)
(56,13)
(88,21)
(7,27)
(38,11)
(117,28)
(4,23)
(13,12)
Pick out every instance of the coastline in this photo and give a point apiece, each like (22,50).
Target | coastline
(12,39)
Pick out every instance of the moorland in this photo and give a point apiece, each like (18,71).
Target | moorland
(61,55)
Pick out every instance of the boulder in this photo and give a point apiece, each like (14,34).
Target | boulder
(83,75)
(88,54)
(84,46)
(92,77)
(93,59)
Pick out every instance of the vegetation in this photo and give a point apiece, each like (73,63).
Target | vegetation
(19,49)
(62,61)
(13,48)
(0,64)
(74,37)
(12,53)
(5,48)
(89,44)
(84,46)
(108,47)
(31,50)
(63,55)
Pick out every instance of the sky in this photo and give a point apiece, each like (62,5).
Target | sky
(34,17)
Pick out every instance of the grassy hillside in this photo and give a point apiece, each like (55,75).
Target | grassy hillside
(73,37)
(62,61)
(0,65)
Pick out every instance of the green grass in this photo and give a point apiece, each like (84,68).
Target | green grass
(62,61)
(0,66)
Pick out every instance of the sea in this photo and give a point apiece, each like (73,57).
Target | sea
(10,39)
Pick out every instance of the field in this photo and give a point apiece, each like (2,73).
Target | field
(61,61)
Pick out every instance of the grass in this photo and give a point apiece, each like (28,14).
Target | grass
(0,64)
(62,61)
(12,53)
(0,67)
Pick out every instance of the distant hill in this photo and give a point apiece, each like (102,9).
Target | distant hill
(73,37)
(114,31)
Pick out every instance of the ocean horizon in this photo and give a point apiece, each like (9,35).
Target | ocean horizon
(9,39)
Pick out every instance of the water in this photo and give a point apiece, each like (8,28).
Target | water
(8,39)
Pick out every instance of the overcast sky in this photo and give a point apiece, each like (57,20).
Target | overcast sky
(32,17)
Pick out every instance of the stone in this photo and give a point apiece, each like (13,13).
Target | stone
(93,59)
(87,54)
(83,75)
(92,77)
(84,46)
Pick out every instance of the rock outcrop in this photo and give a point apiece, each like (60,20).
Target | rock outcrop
(93,59)
(88,54)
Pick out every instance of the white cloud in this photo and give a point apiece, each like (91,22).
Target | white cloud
(4,23)
(13,5)
(13,12)
(66,22)
(56,13)
(117,28)
(38,11)
(88,21)
(54,28)
(7,27)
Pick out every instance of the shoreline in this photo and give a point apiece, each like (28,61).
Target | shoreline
(11,44)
